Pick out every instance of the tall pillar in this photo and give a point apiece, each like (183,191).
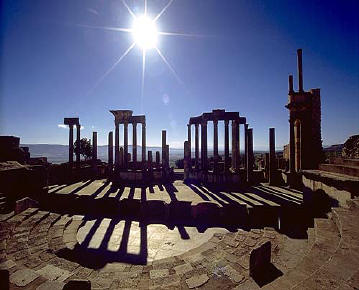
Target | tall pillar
(297,136)
(78,128)
(235,145)
(246,147)
(110,151)
(189,138)
(71,145)
(158,159)
(204,160)
(186,159)
(149,158)
(215,142)
(250,157)
(300,70)
(196,144)
(125,144)
(94,147)
(272,166)
(117,143)
(226,145)
(164,148)
(144,145)
(291,147)
(167,156)
(134,143)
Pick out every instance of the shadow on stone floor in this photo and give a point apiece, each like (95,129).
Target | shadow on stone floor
(267,275)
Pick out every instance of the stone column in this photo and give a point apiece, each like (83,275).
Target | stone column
(189,141)
(125,144)
(226,145)
(297,136)
(187,157)
(110,151)
(149,157)
(196,145)
(94,148)
(134,143)
(117,143)
(164,148)
(167,156)
(71,145)
(121,158)
(246,147)
(78,128)
(204,160)
(272,166)
(215,143)
(235,145)
(291,147)
(144,145)
(250,157)
(158,159)
(300,70)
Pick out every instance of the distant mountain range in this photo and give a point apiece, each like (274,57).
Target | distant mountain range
(59,153)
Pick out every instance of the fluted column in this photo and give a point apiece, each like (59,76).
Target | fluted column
(226,145)
(204,145)
(144,145)
(78,128)
(117,144)
(134,143)
(71,145)
(196,144)
(125,144)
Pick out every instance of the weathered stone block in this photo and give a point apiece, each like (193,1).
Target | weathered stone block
(24,204)
(260,258)
(78,284)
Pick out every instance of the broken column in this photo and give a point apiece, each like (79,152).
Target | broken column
(272,165)
(110,151)
(163,148)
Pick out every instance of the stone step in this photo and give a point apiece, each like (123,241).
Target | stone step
(70,232)
(56,232)
(326,242)
(340,168)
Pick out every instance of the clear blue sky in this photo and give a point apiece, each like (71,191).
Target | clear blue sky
(50,64)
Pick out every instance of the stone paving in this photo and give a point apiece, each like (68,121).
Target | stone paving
(44,250)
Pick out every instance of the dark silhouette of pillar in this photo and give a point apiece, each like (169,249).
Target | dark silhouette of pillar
(290,84)
(78,128)
(110,150)
(94,146)
(204,145)
(300,71)
(144,145)
(272,166)
(246,147)
(164,148)
(189,142)
(186,159)
(250,156)
(134,143)
(158,159)
(117,144)
(215,143)
(71,145)
(149,157)
(196,144)
(125,144)
(226,145)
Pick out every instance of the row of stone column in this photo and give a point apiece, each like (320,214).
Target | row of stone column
(121,152)
(204,148)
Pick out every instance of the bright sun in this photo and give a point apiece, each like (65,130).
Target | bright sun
(144,32)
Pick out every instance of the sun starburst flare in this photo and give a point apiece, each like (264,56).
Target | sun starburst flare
(145,36)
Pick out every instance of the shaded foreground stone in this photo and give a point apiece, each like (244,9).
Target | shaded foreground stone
(197,281)
(260,259)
